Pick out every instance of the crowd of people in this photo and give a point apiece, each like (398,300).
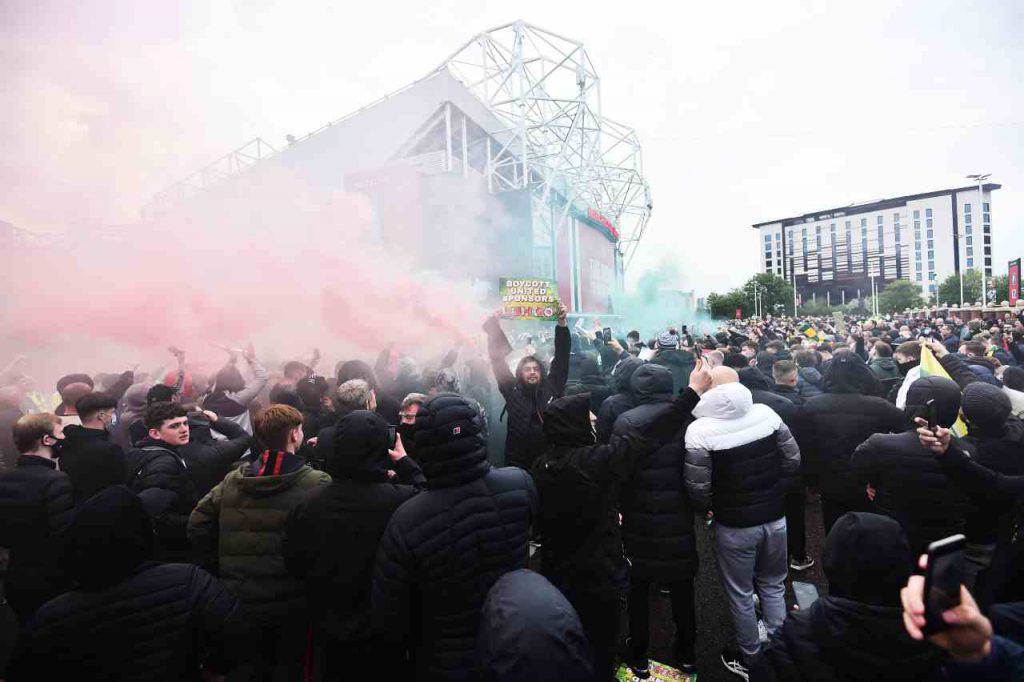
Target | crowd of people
(503,516)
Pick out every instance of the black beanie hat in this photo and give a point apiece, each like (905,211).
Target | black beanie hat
(985,405)
(867,559)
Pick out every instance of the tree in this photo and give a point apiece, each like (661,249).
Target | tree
(949,289)
(1001,285)
(725,305)
(774,290)
(900,295)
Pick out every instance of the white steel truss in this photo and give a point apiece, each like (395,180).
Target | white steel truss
(545,90)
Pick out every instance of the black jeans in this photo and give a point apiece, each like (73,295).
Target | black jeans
(683,613)
(600,614)
(796,522)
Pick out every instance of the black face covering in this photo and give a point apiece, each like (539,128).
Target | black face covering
(408,434)
(907,366)
(57,447)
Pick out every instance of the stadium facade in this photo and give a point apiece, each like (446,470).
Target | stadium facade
(504,144)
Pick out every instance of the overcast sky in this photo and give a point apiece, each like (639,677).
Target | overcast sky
(747,111)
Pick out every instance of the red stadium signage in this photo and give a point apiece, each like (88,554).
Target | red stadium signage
(603,222)
(1014,281)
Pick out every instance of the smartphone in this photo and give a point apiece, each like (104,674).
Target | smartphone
(930,414)
(606,334)
(942,580)
(806,594)
(392,437)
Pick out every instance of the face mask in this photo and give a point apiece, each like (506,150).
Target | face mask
(907,366)
(57,447)
(408,434)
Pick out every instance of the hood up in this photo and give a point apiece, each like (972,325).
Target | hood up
(728,401)
(360,449)
(622,373)
(944,392)
(848,373)
(652,384)
(567,421)
(867,559)
(109,538)
(529,631)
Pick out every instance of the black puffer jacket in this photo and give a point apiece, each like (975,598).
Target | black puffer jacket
(1001,450)
(857,632)
(530,632)
(444,549)
(331,538)
(657,520)
(621,401)
(525,440)
(578,483)
(129,618)
(91,461)
(840,420)
(912,487)
(36,503)
(158,474)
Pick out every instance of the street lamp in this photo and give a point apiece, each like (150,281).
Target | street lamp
(980,178)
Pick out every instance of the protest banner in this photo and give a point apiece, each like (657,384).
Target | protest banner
(527,298)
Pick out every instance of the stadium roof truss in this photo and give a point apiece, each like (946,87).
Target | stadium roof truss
(544,89)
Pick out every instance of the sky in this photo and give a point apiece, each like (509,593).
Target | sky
(746,111)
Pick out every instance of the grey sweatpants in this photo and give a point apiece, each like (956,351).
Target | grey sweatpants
(748,558)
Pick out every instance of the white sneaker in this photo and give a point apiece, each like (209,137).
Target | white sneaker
(762,631)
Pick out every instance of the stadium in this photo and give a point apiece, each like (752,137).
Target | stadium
(504,144)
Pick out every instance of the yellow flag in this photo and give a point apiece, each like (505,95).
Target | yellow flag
(931,367)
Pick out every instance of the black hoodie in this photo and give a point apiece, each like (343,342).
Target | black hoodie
(621,401)
(331,538)
(577,481)
(529,632)
(855,633)
(911,485)
(130,618)
(91,461)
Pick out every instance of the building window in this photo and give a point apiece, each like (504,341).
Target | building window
(928,223)
(931,265)
(931,255)
(931,276)
(931,244)
(927,213)
(767,237)
(878,219)
(917,256)
(970,262)
(917,215)
(967,209)
(930,233)
(931,288)
(967,219)
(918,276)
(984,207)
(881,240)
(970,250)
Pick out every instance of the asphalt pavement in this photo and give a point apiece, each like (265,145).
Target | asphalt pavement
(714,624)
